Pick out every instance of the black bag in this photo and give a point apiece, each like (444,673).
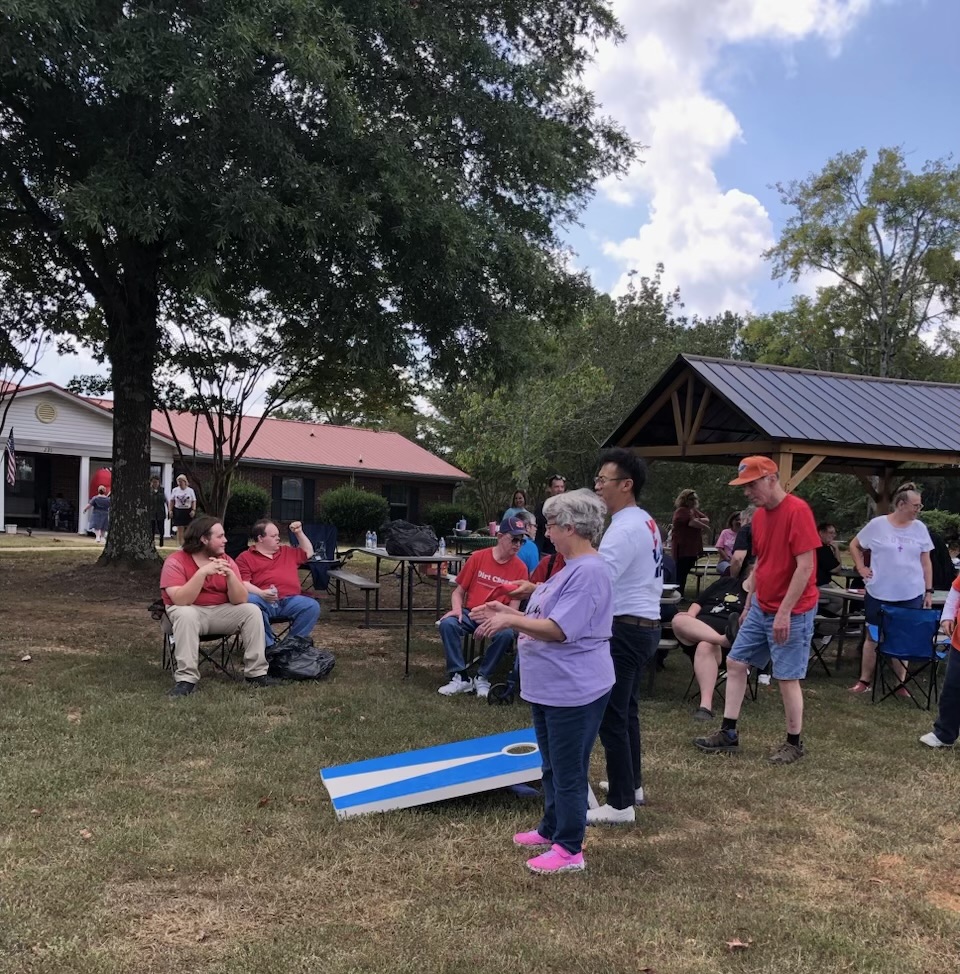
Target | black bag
(296,658)
(404,538)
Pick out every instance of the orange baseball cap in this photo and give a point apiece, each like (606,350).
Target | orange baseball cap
(753,468)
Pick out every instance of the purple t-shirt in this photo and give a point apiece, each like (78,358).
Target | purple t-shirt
(579,599)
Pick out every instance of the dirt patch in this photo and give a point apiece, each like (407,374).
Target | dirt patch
(944,900)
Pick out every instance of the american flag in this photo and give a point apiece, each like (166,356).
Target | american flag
(11,461)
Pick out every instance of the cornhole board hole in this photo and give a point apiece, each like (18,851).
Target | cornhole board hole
(433,774)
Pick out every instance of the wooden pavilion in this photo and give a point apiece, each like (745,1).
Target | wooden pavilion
(708,410)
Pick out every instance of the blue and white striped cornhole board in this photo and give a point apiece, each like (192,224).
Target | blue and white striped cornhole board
(433,773)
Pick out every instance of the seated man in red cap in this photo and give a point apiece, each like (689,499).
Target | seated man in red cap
(489,575)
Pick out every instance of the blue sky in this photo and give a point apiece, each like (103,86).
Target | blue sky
(731,96)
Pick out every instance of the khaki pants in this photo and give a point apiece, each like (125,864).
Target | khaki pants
(190,622)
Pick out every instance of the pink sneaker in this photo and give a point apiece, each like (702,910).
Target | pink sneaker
(860,687)
(903,693)
(557,860)
(531,838)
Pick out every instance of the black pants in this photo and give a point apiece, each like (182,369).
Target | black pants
(684,567)
(633,649)
(156,527)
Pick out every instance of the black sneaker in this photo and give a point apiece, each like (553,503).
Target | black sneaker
(181,689)
(263,681)
(719,742)
(701,713)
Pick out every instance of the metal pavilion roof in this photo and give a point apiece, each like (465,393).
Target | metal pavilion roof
(712,410)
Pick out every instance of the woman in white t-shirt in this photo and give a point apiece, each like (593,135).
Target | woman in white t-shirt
(183,506)
(900,571)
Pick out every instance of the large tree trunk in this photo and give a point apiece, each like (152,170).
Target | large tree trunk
(131,348)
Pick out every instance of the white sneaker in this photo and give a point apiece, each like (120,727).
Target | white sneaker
(638,798)
(457,685)
(931,740)
(482,685)
(608,815)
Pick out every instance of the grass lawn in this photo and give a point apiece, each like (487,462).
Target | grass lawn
(139,833)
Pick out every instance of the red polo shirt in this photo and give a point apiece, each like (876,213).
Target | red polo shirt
(280,570)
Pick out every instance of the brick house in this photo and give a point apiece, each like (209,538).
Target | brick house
(64,440)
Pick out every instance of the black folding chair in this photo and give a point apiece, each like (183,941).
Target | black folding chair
(220,650)
(315,573)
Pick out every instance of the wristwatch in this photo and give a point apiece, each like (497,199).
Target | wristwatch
(929,591)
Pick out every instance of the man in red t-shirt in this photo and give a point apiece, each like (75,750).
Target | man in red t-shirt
(269,572)
(201,588)
(777,622)
(489,575)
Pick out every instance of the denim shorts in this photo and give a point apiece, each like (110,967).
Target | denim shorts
(754,644)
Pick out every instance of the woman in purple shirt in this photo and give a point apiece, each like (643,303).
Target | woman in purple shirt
(565,672)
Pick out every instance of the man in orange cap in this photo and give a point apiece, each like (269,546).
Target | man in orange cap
(777,621)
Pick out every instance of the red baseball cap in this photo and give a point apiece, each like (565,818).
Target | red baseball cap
(753,468)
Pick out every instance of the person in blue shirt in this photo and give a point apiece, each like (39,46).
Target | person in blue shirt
(529,553)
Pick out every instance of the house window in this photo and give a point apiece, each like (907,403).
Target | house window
(402,500)
(291,499)
(25,476)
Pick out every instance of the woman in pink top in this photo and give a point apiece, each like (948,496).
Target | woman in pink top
(725,542)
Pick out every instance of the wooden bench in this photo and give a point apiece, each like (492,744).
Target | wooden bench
(339,577)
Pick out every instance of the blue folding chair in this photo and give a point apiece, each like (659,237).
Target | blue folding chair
(911,636)
(323,537)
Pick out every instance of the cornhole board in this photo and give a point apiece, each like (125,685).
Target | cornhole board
(433,774)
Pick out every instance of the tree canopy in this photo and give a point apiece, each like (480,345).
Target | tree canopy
(386,174)
(889,240)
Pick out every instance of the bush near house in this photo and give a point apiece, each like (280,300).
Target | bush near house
(443,516)
(354,511)
(248,503)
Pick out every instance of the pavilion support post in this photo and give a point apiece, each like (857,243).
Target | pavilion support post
(784,462)
(678,422)
(801,475)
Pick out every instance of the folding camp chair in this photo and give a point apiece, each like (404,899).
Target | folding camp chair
(693,691)
(316,574)
(911,636)
(220,650)
(825,629)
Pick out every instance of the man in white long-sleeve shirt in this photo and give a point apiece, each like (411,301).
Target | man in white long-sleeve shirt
(632,550)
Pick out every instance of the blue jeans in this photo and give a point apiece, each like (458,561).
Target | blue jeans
(947,727)
(302,611)
(633,649)
(565,736)
(452,632)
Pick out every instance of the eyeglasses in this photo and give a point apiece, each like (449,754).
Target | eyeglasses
(519,540)
(607,480)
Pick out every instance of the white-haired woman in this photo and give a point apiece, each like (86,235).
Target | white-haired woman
(566,672)
(183,506)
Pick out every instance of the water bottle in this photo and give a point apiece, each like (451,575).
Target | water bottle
(368,543)
(442,547)
(373,539)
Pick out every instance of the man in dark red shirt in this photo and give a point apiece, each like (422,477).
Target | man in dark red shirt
(269,571)
(777,622)
(489,575)
(201,588)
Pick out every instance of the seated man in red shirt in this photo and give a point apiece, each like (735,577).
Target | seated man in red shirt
(201,588)
(269,573)
(489,575)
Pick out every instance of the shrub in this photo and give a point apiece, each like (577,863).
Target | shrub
(945,523)
(247,504)
(443,516)
(353,511)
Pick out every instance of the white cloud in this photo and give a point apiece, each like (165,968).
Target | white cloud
(656,83)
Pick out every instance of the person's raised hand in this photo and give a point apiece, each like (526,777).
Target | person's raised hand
(296,527)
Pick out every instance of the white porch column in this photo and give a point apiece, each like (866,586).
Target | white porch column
(166,482)
(3,490)
(83,494)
